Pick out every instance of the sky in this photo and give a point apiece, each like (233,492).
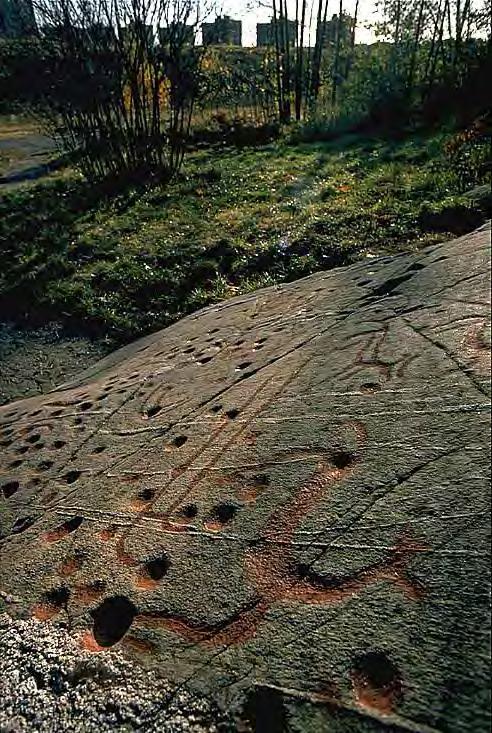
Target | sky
(252,13)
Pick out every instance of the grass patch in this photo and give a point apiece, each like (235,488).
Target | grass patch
(228,224)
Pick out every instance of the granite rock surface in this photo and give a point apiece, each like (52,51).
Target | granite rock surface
(280,502)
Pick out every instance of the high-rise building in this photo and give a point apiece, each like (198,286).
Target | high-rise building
(16,18)
(180,32)
(267,33)
(138,31)
(326,33)
(224,31)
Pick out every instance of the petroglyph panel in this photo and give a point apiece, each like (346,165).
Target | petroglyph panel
(281,500)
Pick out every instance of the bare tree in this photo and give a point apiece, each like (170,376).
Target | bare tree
(336,56)
(299,72)
(429,39)
(315,75)
(351,54)
(416,41)
(116,99)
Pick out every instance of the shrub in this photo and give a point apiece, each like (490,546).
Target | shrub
(112,98)
(468,155)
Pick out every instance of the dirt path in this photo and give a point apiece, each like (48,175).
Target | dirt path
(35,361)
(25,153)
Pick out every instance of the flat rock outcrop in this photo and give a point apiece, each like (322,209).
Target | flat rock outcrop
(281,501)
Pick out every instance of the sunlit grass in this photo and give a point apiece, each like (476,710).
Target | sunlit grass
(229,223)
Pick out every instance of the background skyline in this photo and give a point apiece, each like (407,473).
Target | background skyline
(251,14)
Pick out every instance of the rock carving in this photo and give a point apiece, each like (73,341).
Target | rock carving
(282,495)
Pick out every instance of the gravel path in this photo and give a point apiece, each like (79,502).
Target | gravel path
(47,684)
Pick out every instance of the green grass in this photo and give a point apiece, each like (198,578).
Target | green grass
(233,221)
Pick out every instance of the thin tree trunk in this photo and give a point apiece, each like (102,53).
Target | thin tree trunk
(415,50)
(396,42)
(287,75)
(300,62)
(438,48)
(278,67)
(351,55)
(336,57)
(318,52)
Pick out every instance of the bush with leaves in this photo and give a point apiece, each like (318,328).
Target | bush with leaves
(468,155)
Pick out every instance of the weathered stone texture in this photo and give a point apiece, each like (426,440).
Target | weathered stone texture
(281,500)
